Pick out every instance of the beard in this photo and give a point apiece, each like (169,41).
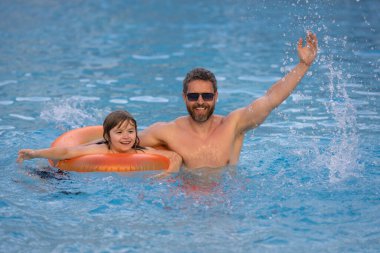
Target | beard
(209,110)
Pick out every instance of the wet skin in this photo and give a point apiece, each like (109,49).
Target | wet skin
(207,140)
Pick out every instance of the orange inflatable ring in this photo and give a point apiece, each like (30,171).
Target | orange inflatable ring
(103,162)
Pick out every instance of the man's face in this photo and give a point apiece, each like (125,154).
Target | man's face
(200,107)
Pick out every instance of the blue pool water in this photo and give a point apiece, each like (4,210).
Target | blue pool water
(308,179)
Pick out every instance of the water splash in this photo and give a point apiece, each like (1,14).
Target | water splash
(72,112)
(341,156)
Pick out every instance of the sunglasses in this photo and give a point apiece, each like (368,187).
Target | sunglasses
(205,96)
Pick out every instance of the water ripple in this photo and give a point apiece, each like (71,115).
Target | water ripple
(6,102)
(149,99)
(6,82)
(118,101)
(33,99)
(19,116)
(263,79)
(150,57)
(6,127)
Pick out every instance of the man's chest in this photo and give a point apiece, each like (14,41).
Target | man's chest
(211,151)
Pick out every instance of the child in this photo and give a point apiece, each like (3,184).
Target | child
(120,136)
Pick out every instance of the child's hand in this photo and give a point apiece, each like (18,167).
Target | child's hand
(25,154)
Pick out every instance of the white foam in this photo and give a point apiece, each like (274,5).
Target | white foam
(118,101)
(150,99)
(6,102)
(19,116)
(259,78)
(150,57)
(33,99)
(7,82)
(158,78)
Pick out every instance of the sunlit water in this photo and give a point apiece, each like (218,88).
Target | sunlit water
(308,179)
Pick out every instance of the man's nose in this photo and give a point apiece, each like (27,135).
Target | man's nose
(200,99)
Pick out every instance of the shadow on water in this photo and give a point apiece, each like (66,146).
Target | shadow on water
(41,179)
(48,173)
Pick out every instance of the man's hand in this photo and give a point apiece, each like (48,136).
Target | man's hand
(308,53)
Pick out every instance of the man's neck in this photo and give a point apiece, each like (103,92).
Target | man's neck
(202,128)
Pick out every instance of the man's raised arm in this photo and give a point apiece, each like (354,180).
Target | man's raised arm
(255,113)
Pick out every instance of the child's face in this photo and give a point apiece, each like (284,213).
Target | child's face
(123,137)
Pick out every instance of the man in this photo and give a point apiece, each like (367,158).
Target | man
(207,140)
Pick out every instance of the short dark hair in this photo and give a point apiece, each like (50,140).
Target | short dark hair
(199,74)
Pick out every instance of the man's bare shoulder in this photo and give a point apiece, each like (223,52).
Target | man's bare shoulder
(170,125)
(180,120)
(230,118)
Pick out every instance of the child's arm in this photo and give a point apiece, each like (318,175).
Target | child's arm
(60,153)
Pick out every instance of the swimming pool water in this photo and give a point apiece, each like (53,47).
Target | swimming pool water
(308,178)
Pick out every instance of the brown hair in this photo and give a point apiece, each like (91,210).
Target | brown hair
(199,74)
(117,118)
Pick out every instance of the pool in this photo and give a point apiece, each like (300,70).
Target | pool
(308,178)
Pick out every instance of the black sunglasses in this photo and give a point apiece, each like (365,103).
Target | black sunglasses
(205,96)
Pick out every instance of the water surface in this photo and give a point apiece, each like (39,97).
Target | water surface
(308,179)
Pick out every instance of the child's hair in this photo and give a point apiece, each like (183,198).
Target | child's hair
(117,118)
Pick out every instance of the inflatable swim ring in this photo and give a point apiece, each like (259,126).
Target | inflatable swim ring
(103,162)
